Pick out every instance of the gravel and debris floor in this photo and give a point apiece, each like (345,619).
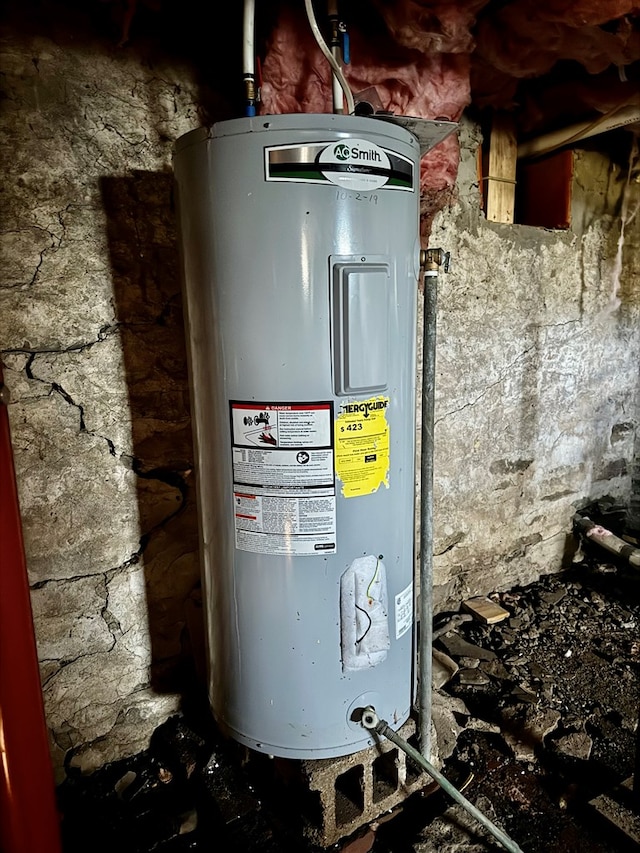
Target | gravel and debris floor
(547,706)
(559,708)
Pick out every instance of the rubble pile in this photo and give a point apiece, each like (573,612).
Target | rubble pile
(552,697)
(536,717)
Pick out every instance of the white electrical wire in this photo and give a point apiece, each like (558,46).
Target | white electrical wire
(329,56)
(620,116)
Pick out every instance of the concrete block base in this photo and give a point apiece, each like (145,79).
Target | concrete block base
(621,809)
(354,790)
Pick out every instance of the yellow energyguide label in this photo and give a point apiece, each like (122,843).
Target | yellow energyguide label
(362,446)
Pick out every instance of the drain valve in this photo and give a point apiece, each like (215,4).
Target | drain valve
(369,718)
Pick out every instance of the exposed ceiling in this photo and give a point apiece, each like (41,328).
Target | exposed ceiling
(549,62)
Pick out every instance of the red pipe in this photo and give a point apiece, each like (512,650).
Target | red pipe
(29,820)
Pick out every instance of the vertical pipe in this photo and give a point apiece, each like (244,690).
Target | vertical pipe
(248,56)
(338,99)
(431,264)
(328,55)
(28,815)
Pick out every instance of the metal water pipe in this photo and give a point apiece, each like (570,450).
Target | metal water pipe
(431,261)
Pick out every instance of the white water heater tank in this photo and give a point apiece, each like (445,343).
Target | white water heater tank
(300,246)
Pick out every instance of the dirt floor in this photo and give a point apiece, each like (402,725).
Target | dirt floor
(547,704)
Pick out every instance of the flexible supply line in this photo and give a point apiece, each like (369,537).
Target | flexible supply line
(329,56)
(621,116)
(338,100)
(248,56)
(371,722)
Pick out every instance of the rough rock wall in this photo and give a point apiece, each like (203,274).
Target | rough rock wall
(92,339)
(537,378)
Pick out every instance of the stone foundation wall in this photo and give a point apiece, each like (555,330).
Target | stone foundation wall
(92,336)
(537,377)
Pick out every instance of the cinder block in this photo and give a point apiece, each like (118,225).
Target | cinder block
(356,789)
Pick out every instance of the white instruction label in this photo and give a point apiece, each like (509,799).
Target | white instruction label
(284,489)
(404,611)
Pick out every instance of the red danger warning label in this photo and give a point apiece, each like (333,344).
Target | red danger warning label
(284,489)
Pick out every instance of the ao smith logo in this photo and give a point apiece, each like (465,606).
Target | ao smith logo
(344,152)
(364,408)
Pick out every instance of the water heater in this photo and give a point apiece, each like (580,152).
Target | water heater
(300,248)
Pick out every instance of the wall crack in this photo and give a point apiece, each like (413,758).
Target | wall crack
(490,387)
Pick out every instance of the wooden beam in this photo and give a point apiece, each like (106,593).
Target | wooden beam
(501,177)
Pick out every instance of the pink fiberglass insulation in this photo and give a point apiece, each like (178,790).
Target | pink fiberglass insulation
(521,39)
(537,39)
(297,78)
(526,38)
(432,26)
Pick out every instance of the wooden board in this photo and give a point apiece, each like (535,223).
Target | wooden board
(485,610)
(501,176)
